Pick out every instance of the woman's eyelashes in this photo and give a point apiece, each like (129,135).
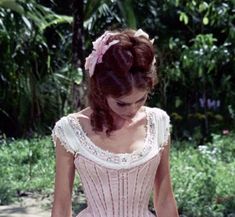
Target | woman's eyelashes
(123,104)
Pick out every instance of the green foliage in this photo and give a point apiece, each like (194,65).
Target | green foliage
(223,147)
(7,193)
(35,75)
(194,41)
(200,60)
(41,16)
(105,13)
(26,165)
(202,177)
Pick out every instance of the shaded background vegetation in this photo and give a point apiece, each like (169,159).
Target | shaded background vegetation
(42,48)
(42,79)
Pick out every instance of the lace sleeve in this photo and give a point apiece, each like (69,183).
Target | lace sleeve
(166,129)
(163,127)
(59,133)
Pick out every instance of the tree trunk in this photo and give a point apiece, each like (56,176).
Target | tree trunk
(79,91)
(78,31)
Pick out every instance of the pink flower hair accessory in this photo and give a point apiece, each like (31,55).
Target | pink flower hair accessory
(140,32)
(100,46)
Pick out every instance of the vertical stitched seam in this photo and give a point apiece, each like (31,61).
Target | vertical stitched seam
(127,193)
(83,185)
(149,187)
(141,192)
(86,193)
(100,183)
(90,189)
(110,191)
(134,192)
(118,193)
(123,194)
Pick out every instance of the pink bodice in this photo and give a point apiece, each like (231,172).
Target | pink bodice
(115,185)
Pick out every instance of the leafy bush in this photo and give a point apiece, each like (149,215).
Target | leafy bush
(202,177)
(26,165)
(36,75)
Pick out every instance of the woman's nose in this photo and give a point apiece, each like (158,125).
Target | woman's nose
(132,110)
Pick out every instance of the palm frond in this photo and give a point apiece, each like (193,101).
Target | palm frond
(40,15)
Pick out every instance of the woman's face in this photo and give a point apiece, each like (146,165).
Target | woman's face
(127,106)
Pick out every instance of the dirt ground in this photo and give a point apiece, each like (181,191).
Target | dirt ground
(36,205)
(29,206)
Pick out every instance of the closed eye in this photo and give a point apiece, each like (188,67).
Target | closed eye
(123,104)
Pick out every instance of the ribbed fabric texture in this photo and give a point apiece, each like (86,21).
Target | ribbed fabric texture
(115,185)
(116,193)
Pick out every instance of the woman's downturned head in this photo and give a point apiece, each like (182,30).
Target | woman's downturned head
(126,65)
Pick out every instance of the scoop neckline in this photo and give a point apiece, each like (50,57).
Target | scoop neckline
(104,151)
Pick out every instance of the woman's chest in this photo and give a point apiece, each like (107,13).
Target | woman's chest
(125,141)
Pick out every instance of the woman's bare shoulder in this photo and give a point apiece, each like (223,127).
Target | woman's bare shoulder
(84,113)
(83,117)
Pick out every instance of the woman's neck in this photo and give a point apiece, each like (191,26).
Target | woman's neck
(121,123)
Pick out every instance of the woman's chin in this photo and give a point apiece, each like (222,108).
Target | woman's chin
(128,118)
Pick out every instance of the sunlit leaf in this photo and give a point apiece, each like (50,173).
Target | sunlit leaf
(205,20)
(183,18)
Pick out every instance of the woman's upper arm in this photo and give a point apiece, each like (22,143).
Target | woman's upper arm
(163,187)
(64,178)
(164,200)
(162,180)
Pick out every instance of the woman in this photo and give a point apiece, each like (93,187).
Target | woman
(119,147)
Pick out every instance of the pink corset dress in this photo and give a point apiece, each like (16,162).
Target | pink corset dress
(115,185)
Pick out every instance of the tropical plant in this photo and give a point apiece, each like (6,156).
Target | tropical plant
(35,77)
(194,43)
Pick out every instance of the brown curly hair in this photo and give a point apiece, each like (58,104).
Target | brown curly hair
(125,65)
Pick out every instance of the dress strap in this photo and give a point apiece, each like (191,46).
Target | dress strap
(163,127)
(65,134)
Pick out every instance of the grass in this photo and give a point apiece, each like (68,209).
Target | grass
(26,165)
(203,177)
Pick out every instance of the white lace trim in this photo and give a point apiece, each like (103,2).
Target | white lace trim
(75,140)
(116,158)
(58,133)
(166,130)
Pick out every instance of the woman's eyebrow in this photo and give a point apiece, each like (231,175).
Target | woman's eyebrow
(131,103)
